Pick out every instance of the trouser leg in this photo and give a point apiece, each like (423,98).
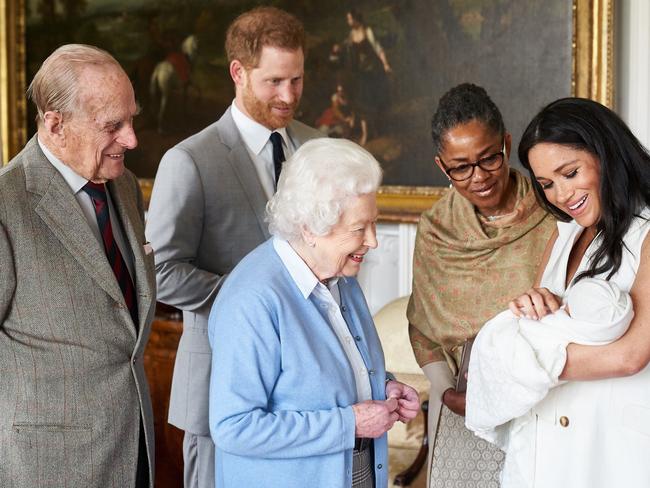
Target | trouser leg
(198,458)
(142,472)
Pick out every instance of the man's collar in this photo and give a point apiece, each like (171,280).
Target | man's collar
(74,180)
(254,134)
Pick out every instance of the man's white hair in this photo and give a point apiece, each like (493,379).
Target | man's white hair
(55,86)
(316,185)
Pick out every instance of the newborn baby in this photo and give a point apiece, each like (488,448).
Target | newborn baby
(601,313)
(515,361)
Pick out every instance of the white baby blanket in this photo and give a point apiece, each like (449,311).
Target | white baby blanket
(515,361)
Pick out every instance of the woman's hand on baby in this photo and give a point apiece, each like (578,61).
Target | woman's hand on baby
(535,304)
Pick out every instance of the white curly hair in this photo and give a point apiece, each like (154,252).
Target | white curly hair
(316,185)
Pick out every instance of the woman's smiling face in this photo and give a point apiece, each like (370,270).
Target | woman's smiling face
(341,251)
(488,191)
(570,179)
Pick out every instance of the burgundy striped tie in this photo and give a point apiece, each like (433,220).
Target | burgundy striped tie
(97,193)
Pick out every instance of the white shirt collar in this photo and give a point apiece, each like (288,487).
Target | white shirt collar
(75,181)
(254,134)
(304,278)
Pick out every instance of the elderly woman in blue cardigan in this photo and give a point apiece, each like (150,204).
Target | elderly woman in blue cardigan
(298,393)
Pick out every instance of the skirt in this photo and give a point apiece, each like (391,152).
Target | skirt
(460,459)
(363,470)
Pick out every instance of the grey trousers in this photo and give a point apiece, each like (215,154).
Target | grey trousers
(198,458)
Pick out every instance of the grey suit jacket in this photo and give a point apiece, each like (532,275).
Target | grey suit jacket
(206,213)
(72,381)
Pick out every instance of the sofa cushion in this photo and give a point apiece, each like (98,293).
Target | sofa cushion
(392,326)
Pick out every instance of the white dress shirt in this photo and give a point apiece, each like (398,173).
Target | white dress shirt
(76,183)
(328,298)
(260,148)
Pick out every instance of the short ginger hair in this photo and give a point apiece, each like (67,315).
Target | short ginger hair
(259,27)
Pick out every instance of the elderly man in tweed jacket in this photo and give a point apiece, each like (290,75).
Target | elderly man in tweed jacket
(76,287)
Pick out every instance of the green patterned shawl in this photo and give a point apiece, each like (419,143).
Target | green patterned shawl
(466,269)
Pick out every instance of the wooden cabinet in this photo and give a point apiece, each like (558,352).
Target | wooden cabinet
(159,364)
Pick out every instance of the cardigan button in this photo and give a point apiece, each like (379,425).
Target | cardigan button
(344,308)
(564,421)
(379,466)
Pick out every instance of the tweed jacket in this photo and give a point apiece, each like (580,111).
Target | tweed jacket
(72,383)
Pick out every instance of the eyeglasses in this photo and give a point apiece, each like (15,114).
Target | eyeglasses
(465,171)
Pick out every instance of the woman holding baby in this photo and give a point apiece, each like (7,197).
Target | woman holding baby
(590,172)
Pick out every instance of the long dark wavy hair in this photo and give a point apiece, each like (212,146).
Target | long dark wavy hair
(624,169)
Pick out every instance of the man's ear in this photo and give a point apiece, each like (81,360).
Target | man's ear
(53,126)
(238,73)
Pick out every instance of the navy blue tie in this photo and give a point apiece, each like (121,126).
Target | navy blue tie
(278,154)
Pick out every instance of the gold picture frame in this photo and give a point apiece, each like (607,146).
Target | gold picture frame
(592,77)
(13,105)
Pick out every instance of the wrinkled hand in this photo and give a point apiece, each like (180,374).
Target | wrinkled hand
(407,398)
(454,401)
(535,304)
(373,418)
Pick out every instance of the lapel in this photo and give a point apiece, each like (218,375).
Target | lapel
(59,210)
(298,137)
(125,204)
(244,168)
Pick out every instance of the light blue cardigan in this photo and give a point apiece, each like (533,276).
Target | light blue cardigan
(281,387)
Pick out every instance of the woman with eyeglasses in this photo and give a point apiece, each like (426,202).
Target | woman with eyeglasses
(475,249)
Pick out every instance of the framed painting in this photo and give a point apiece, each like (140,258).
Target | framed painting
(373,73)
